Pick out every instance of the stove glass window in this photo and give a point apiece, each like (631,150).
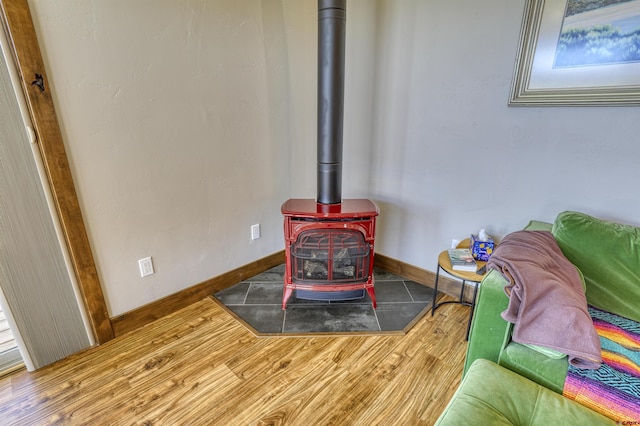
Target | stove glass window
(330,255)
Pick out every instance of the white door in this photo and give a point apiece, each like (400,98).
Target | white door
(40,295)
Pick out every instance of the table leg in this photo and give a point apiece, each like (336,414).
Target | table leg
(435,290)
(464,283)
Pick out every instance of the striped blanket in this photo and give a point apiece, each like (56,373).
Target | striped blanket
(614,388)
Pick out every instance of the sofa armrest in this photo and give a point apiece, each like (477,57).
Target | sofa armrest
(489,331)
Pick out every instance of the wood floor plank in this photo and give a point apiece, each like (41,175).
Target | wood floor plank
(65,379)
(291,392)
(201,366)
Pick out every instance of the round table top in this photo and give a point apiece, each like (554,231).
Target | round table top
(445,263)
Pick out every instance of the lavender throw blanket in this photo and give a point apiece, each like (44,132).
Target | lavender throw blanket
(547,304)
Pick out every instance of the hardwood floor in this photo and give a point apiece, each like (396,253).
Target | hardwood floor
(199,366)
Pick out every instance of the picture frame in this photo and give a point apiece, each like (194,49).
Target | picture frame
(538,80)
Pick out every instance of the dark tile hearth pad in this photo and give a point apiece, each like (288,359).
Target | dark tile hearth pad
(258,302)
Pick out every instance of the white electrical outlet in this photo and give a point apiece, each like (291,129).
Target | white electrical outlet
(255,231)
(146,267)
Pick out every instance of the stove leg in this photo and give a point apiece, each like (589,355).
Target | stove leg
(372,295)
(288,291)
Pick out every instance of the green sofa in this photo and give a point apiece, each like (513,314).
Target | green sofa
(608,256)
(507,383)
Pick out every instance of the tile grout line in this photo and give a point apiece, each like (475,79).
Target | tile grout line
(406,288)
(244,301)
(284,320)
(375,314)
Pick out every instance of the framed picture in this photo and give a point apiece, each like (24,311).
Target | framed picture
(578,52)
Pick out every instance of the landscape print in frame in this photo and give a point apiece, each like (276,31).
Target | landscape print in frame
(578,52)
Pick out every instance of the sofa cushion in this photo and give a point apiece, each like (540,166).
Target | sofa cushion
(608,254)
(536,225)
(492,395)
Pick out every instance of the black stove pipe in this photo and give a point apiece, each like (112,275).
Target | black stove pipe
(331,60)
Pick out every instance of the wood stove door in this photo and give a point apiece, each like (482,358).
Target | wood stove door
(330,256)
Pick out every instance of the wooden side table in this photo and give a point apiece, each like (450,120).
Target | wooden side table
(445,264)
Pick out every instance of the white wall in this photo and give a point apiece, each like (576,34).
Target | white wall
(451,157)
(176,117)
(186,122)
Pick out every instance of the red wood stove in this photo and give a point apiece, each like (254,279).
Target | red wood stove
(329,249)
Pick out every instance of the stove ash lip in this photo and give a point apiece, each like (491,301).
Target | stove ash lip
(331,76)
(349,209)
